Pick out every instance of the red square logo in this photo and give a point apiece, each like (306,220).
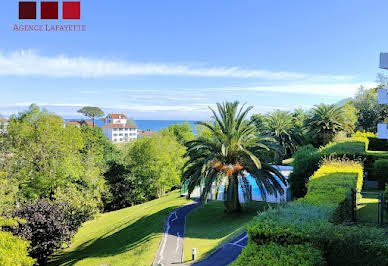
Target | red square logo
(48,10)
(71,10)
(27,10)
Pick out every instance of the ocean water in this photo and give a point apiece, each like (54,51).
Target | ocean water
(152,125)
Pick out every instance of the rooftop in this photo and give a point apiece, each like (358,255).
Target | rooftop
(117,116)
(119,126)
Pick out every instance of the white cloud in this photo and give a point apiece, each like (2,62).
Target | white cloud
(28,63)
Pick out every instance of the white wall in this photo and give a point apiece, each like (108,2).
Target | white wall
(383,96)
(384,60)
(382,131)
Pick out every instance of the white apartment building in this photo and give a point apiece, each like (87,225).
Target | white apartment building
(382,128)
(3,125)
(117,129)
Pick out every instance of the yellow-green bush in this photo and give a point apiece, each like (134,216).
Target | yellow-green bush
(13,250)
(331,185)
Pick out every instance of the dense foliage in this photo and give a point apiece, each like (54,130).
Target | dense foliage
(13,250)
(229,153)
(46,227)
(274,254)
(331,186)
(305,163)
(381,172)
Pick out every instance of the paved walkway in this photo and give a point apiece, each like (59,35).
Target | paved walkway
(227,253)
(171,247)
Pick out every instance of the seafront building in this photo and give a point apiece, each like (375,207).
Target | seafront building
(382,128)
(3,125)
(117,129)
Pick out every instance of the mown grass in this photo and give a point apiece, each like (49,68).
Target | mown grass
(129,236)
(208,227)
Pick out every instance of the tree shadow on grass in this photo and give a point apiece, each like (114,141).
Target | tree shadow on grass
(132,235)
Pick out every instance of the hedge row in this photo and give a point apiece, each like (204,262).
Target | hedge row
(331,187)
(305,224)
(307,160)
(274,254)
(300,224)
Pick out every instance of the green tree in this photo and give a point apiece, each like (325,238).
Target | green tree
(231,153)
(326,120)
(182,132)
(155,163)
(370,113)
(350,116)
(281,126)
(91,112)
(40,155)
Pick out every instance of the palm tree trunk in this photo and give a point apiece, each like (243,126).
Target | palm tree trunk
(231,201)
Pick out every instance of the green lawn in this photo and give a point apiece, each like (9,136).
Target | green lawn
(129,236)
(208,227)
(367,209)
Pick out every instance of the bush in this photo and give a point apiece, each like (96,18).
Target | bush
(331,186)
(274,254)
(45,227)
(341,245)
(353,145)
(305,163)
(13,250)
(381,172)
(376,144)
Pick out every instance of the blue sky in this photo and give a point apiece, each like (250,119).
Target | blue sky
(172,59)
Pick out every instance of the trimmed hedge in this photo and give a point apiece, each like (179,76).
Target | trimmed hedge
(298,224)
(381,172)
(274,254)
(331,186)
(305,163)
(376,144)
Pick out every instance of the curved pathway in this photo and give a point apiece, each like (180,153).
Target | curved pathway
(170,250)
(227,253)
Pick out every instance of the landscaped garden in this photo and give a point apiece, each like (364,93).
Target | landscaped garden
(69,196)
(129,236)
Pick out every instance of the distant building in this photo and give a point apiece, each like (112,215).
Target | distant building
(147,133)
(117,129)
(3,125)
(78,123)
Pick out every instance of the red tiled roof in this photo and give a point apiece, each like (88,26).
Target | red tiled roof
(118,116)
(71,123)
(148,133)
(119,126)
(3,120)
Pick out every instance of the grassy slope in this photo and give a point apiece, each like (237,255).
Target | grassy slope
(129,236)
(208,227)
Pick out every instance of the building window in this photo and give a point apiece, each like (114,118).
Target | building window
(115,129)
(120,129)
(121,139)
(126,134)
(114,135)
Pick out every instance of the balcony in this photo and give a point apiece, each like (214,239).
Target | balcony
(383,96)
(384,60)
(382,131)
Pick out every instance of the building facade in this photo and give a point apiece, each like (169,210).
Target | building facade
(382,128)
(3,125)
(117,129)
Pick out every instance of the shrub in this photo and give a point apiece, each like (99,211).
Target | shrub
(381,172)
(45,227)
(376,144)
(364,134)
(341,245)
(13,250)
(274,254)
(331,186)
(353,145)
(305,163)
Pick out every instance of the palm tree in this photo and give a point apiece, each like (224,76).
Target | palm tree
(231,153)
(282,126)
(325,121)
